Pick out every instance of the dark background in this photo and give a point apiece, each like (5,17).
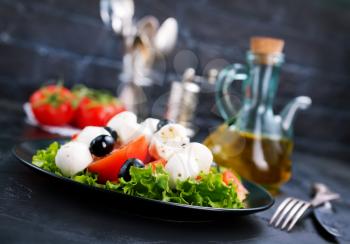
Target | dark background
(43,39)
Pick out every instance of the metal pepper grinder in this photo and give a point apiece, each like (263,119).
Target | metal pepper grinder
(183,100)
(184,97)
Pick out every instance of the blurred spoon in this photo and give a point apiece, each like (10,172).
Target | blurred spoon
(166,37)
(118,14)
(148,26)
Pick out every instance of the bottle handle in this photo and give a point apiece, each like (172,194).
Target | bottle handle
(225,79)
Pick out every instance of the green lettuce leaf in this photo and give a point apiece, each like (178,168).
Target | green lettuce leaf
(87,178)
(144,183)
(208,191)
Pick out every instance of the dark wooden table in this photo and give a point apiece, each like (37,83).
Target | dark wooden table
(32,210)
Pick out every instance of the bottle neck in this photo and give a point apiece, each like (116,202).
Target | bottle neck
(261,86)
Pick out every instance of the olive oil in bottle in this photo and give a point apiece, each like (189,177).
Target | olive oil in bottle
(255,141)
(264,160)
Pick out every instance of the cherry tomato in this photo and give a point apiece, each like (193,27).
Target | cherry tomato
(52,105)
(90,112)
(108,167)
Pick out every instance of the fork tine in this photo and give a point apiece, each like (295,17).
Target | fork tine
(279,209)
(286,211)
(298,215)
(292,213)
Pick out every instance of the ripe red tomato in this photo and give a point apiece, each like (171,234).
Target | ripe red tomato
(52,105)
(108,167)
(91,112)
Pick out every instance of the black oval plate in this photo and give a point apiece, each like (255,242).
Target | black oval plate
(258,199)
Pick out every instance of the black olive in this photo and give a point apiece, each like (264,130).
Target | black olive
(102,145)
(125,169)
(163,122)
(112,132)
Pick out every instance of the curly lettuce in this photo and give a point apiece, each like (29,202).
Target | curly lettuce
(144,182)
(87,178)
(153,182)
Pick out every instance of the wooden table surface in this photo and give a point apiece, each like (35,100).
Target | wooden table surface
(32,210)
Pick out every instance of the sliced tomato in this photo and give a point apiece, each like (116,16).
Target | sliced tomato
(108,167)
(153,152)
(229,177)
(198,178)
(74,136)
(155,163)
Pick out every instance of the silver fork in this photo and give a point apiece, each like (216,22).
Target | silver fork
(292,209)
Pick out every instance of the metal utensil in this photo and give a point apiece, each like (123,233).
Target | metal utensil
(148,26)
(292,209)
(166,37)
(118,14)
(324,214)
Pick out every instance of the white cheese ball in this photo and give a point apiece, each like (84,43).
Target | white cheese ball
(148,127)
(172,133)
(89,133)
(151,124)
(126,126)
(181,166)
(200,154)
(73,157)
(122,118)
(168,140)
(128,132)
(145,131)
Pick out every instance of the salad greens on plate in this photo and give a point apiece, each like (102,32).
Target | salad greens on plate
(153,181)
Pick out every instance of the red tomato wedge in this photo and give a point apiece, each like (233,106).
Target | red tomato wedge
(153,152)
(155,163)
(229,177)
(108,167)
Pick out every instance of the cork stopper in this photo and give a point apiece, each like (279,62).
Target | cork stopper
(266,45)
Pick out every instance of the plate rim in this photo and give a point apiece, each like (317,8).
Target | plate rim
(173,204)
